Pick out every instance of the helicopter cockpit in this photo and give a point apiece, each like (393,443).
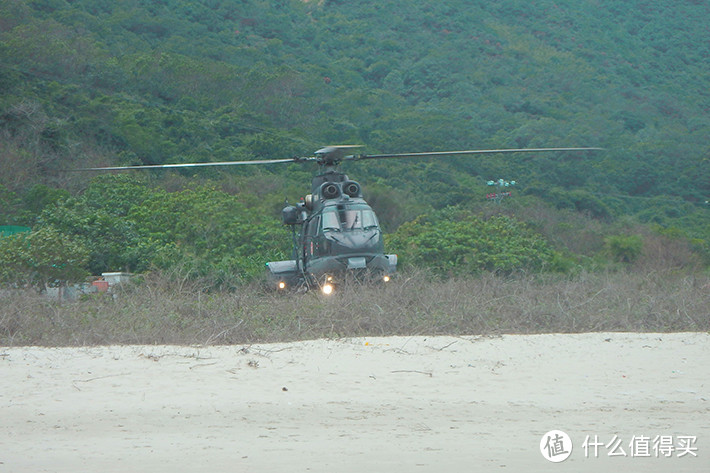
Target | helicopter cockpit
(353,217)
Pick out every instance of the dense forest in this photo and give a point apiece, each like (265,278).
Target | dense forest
(97,82)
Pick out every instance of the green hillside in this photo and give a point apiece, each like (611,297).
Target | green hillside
(98,82)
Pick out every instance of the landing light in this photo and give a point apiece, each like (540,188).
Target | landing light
(386,279)
(282,285)
(327,289)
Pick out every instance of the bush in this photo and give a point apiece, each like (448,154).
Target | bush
(454,242)
(127,226)
(624,248)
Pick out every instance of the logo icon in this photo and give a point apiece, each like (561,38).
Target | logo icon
(556,446)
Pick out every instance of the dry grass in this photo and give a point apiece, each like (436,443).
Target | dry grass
(160,311)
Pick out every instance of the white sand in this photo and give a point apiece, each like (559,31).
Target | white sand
(357,405)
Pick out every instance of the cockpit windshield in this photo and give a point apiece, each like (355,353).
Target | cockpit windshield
(348,219)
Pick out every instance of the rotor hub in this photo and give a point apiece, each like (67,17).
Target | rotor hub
(332,155)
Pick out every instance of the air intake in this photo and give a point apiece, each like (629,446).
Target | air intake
(352,189)
(329,190)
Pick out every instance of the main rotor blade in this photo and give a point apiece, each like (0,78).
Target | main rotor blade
(472,151)
(194,165)
(332,152)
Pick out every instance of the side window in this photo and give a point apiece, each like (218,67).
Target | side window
(313,227)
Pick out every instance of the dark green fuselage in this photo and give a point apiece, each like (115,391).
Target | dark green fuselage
(338,235)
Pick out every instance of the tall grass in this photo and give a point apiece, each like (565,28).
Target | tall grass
(166,310)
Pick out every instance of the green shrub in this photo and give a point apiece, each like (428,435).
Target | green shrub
(624,248)
(451,243)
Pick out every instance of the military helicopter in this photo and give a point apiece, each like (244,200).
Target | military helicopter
(336,234)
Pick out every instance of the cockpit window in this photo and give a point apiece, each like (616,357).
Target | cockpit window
(369,219)
(330,221)
(346,220)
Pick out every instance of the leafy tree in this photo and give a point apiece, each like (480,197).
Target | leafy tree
(455,242)
(41,258)
(126,225)
(213,228)
(40,196)
(10,210)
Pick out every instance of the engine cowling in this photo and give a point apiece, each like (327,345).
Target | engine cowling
(352,189)
(330,190)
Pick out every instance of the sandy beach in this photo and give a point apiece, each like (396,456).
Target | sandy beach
(397,404)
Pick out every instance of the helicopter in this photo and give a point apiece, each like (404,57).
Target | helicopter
(335,233)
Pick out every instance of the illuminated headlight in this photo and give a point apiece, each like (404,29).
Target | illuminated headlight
(386,279)
(282,285)
(327,289)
